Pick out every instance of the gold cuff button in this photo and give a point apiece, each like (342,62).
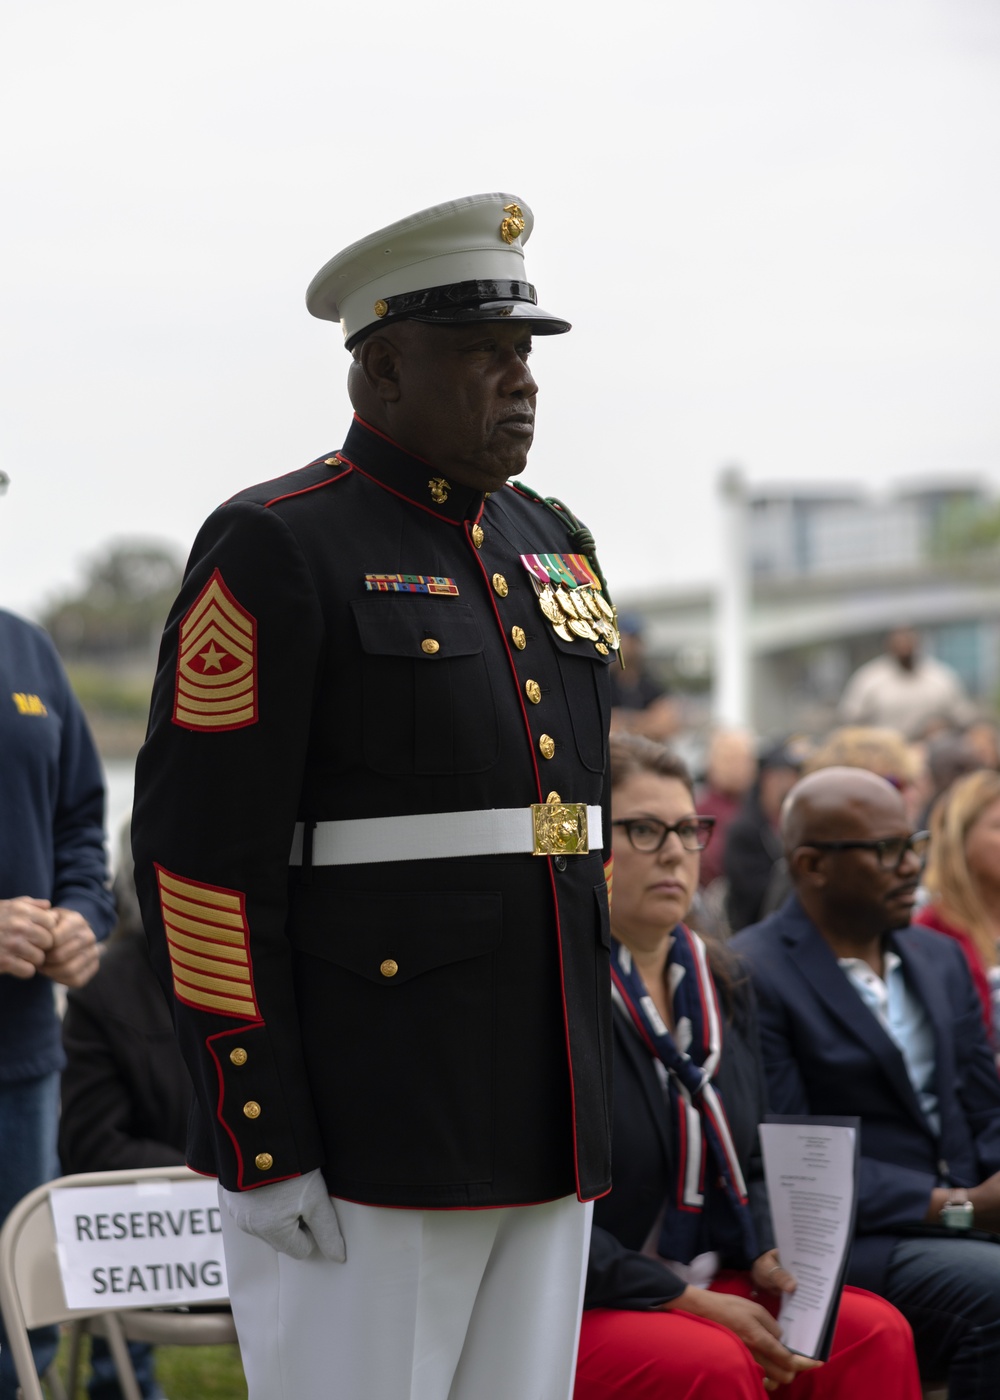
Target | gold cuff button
(547,745)
(251,1109)
(518,638)
(478,535)
(238,1056)
(533,691)
(263,1161)
(500,585)
(430,646)
(389,968)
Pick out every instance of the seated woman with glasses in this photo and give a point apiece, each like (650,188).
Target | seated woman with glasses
(963,881)
(683,1281)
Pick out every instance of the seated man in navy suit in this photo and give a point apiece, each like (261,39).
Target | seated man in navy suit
(862,1014)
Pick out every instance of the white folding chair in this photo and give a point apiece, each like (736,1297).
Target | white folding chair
(31,1291)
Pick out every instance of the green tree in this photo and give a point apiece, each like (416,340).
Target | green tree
(118,611)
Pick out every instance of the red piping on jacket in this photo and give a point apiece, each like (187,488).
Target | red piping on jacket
(552,876)
(318,486)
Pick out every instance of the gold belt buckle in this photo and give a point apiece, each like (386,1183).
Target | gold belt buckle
(560,828)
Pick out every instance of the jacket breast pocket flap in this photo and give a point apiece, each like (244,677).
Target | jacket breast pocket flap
(400,624)
(391,939)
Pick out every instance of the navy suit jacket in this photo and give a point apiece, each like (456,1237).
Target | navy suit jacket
(826,1054)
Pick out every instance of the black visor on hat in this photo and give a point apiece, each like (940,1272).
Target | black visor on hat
(465,302)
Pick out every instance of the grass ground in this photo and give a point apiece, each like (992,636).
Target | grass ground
(193,1373)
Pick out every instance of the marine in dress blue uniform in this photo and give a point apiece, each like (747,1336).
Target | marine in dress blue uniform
(370,826)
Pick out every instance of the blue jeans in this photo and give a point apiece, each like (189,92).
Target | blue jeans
(949,1292)
(29,1117)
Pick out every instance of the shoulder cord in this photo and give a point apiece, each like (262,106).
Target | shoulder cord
(580,535)
(581,538)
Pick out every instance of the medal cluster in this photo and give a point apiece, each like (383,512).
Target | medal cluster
(579,612)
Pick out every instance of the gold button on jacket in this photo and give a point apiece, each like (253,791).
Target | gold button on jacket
(389,968)
(500,585)
(263,1161)
(238,1056)
(430,646)
(251,1109)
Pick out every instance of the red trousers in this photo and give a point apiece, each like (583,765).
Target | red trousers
(656,1355)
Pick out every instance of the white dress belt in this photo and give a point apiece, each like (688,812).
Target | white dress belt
(500,831)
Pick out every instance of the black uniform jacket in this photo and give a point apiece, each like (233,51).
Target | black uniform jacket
(430,1033)
(619,1275)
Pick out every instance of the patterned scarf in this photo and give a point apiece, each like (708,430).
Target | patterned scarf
(707,1207)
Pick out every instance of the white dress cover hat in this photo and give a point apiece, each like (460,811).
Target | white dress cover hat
(457,262)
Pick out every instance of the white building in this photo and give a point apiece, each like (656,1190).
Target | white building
(831,571)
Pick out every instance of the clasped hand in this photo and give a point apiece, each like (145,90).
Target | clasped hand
(36,938)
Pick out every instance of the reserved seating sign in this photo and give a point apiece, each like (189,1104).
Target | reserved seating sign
(145,1244)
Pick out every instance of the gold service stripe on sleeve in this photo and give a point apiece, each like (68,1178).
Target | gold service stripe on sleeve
(205,1001)
(218,967)
(197,945)
(219,899)
(226,983)
(204,913)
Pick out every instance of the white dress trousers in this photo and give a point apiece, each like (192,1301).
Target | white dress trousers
(430,1305)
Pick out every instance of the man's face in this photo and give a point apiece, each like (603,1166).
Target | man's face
(903,644)
(856,888)
(466,398)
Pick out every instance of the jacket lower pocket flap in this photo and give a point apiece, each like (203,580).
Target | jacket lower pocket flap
(391,938)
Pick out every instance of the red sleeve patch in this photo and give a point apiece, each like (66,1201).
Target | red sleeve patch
(216,685)
(207,938)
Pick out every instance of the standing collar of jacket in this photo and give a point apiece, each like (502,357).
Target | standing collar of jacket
(412,478)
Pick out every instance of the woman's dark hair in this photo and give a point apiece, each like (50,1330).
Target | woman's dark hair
(632,754)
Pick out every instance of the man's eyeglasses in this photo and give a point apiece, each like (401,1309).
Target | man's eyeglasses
(890,852)
(647,835)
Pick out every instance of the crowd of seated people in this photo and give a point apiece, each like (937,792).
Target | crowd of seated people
(867,989)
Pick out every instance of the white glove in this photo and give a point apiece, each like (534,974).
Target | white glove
(294,1217)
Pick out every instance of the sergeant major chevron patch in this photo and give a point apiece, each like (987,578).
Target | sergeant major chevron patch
(216,686)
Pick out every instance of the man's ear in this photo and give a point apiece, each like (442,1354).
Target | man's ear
(805,865)
(379,360)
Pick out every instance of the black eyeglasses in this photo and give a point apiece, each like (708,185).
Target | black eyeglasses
(891,851)
(647,835)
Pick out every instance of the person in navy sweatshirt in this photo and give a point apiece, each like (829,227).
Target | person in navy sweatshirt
(55,907)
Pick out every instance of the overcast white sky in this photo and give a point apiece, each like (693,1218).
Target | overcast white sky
(775,226)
